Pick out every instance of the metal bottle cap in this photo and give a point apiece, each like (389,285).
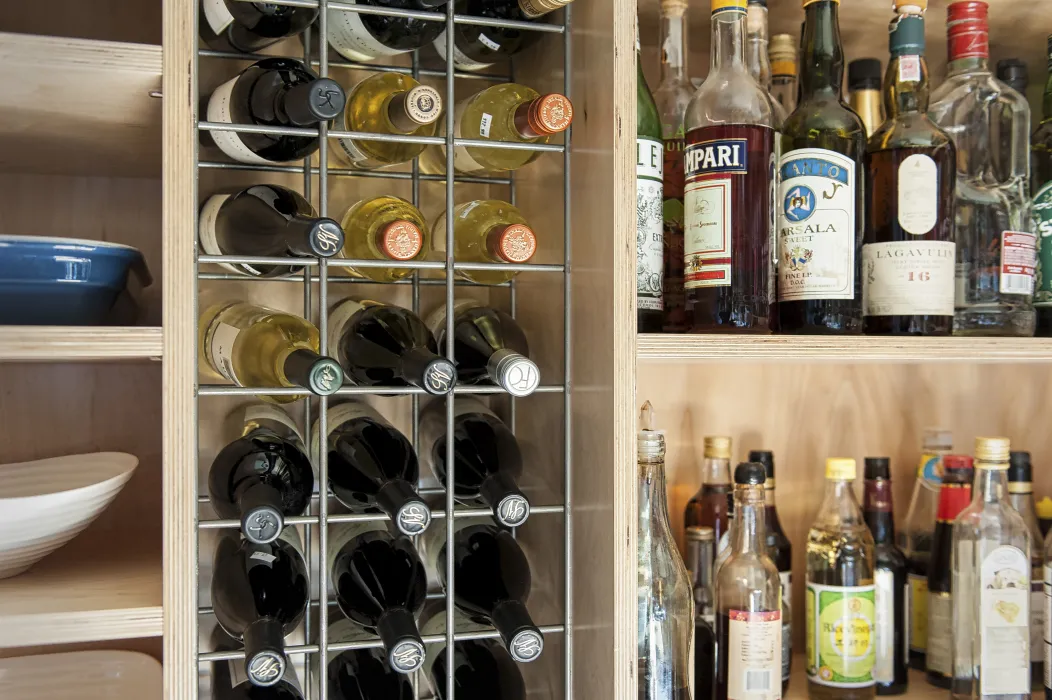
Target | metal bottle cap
(517,374)
(840,468)
(326,377)
(717,447)
(413,518)
(513,510)
(407,656)
(526,646)
(993,449)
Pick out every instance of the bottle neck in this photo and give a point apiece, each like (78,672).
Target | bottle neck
(728,41)
(699,562)
(749,528)
(674,47)
(902,93)
(877,510)
(990,484)
(716,472)
(971,64)
(822,58)
(756,46)
(768,493)
(653,507)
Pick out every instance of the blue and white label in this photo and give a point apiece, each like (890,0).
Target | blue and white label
(726,156)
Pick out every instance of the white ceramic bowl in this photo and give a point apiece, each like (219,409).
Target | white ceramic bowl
(84,675)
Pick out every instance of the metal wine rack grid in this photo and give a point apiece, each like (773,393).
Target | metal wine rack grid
(316,273)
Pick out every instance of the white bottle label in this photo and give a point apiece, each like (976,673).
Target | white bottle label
(1004,622)
(338,318)
(650,242)
(940,633)
(460,60)
(1018,262)
(918,194)
(904,278)
(488,43)
(351,39)
(265,412)
(228,141)
(754,655)
(884,601)
(485,123)
(462,160)
(909,69)
(217,15)
(436,320)
(816,225)
(222,350)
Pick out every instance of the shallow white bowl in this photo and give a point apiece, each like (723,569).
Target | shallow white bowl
(84,675)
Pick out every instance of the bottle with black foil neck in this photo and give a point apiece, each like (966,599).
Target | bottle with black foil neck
(361,674)
(247,27)
(229,681)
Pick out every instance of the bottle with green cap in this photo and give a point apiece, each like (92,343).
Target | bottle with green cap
(840,593)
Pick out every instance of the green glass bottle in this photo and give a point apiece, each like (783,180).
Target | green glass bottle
(650,244)
(1041,186)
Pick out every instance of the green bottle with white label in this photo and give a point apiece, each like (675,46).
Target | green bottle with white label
(650,244)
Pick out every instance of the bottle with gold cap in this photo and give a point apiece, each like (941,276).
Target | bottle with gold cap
(782,53)
(384,228)
(865,76)
(711,506)
(991,585)
(840,593)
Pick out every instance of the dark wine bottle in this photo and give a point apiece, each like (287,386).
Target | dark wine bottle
(372,466)
(229,681)
(263,476)
(489,347)
(366,37)
(383,345)
(273,92)
(482,669)
(247,27)
(380,585)
(363,674)
(487,460)
(479,47)
(266,220)
(260,594)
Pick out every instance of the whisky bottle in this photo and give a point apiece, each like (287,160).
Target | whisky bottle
(991,586)
(384,228)
(784,86)
(477,47)
(360,36)
(486,231)
(864,76)
(820,196)
(780,550)
(758,58)
(711,505)
(840,593)
(908,258)
(699,564)
(729,188)
(1041,208)
(1021,496)
(650,243)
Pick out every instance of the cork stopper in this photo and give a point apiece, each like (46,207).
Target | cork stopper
(514,243)
(544,116)
(718,447)
(840,468)
(993,449)
(401,240)
(673,8)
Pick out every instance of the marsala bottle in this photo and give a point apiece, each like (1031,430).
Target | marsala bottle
(699,564)
(650,244)
(1021,496)
(712,504)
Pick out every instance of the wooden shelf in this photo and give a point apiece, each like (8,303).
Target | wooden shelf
(78,106)
(78,343)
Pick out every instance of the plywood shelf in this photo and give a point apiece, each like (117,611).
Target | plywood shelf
(78,343)
(79,106)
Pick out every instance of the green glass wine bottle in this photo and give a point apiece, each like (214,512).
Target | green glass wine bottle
(650,245)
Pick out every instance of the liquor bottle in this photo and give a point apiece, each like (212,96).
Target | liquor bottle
(1013,73)
(864,90)
(1021,496)
(820,196)
(749,600)
(260,594)
(783,56)
(1041,208)
(890,670)
(229,681)
(266,220)
(995,249)
(487,460)
(372,466)
(273,92)
(954,496)
(252,345)
(228,25)
(380,585)
(840,585)
(361,674)
(486,231)
(728,192)
(991,586)
(385,345)
(665,600)
(757,57)
(908,258)
(366,37)
(1047,606)
(489,347)
(650,240)
(1044,515)
(384,228)
(477,47)
(699,565)
(505,112)
(262,476)
(711,505)
(387,103)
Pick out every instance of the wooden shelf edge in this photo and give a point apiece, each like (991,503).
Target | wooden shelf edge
(74,628)
(79,343)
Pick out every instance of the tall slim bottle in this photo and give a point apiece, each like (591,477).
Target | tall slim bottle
(650,244)
(1047,605)
(783,55)
(864,77)
(699,564)
(1041,206)
(758,58)
(712,504)
(1021,496)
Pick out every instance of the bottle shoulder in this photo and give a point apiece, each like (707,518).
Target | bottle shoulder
(913,130)
(816,120)
(729,97)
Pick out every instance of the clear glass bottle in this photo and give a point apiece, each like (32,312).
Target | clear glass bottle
(758,58)
(991,586)
(1021,496)
(782,53)
(711,505)
(384,228)
(650,243)
(1015,74)
(699,563)
(864,79)
(1041,206)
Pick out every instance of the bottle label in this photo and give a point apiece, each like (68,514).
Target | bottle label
(350,37)
(884,603)
(222,350)
(841,651)
(940,633)
(217,15)
(463,161)
(754,655)
(1004,617)
(710,169)
(905,278)
(1042,215)
(532,9)
(929,470)
(650,260)
(910,70)
(918,193)
(1047,637)
(206,233)
(953,498)
(230,142)
(488,43)
(461,61)
(436,320)
(1037,612)
(257,412)
(918,620)
(1018,262)
(816,225)
(339,316)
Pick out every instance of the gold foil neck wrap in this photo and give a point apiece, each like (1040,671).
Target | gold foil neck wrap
(717,447)
(993,449)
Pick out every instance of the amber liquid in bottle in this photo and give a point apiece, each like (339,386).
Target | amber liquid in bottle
(712,504)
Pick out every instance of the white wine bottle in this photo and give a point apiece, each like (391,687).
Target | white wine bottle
(252,345)
(384,228)
(359,36)
(486,231)
(387,103)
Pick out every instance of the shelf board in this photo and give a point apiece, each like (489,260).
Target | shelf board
(78,343)
(845,349)
(79,106)
(919,688)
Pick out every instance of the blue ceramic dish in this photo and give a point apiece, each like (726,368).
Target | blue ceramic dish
(65,281)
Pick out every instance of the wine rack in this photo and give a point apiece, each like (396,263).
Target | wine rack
(317,285)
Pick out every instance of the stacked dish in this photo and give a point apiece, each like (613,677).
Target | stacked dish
(85,675)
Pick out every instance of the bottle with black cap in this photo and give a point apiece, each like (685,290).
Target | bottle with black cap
(1021,496)
(247,27)
(699,564)
(229,681)
(864,77)
(362,674)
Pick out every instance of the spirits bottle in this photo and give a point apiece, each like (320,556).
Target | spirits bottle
(385,345)
(699,565)
(263,476)
(228,25)
(251,345)
(1044,515)
(384,228)
(1041,208)
(995,248)
(820,196)
(361,674)
(358,36)
(749,601)
(486,231)
(672,97)
(890,671)
(650,243)
(1021,496)
(665,600)
(840,588)
(954,496)
(387,103)
(865,96)
(1047,606)
(229,681)
(909,253)
(372,466)
(729,185)
(711,505)
(1013,73)
(991,586)
(273,92)
(757,57)
(267,220)
(490,347)
(476,47)
(783,55)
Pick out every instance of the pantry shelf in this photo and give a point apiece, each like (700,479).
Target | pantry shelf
(78,343)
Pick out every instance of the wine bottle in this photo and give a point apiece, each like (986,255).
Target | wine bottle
(489,347)
(505,112)
(477,47)
(384,228)
(228,25)
(262,476)
(387,103)
(362,674)
(372,466)
(365,37)
(260,594)
(486,231)
(229,681)
(380,585)
(486,458)
(252,345)
(273,92)
(650,237)
(384,345)
(266,220)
